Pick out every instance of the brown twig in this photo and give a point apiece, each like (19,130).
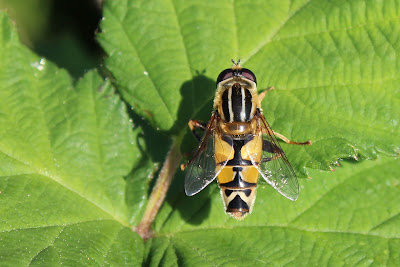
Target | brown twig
(160,189)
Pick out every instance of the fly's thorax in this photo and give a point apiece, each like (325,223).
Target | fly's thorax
(236,100)
(238,129)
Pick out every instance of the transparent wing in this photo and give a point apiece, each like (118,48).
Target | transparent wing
(203,168)
(273,164)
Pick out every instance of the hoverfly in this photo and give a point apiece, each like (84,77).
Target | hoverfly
(237,145)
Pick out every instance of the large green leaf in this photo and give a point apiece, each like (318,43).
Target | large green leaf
(333,66)
(348,217)
(63,153)
(335,71)
(65,148)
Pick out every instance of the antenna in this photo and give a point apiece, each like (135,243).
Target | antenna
(236,65)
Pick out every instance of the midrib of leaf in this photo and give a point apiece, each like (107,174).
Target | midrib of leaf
(141,62)
(269,38)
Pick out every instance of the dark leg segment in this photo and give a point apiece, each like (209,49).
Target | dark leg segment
(193,124)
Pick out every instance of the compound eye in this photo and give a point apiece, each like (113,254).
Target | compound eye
(225,74)
(249,75)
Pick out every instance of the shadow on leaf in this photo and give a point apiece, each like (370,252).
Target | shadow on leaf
(193,210)
(197,96)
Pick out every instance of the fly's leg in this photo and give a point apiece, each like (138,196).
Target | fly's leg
(193,124)
(262,95)
(270,148)
(271,158)
(286,140)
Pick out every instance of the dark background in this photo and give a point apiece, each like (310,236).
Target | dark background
(62,31)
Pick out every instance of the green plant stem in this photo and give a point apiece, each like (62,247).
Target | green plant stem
(160,189)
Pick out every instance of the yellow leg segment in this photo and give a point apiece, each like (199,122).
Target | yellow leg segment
(286,140)
(262,94)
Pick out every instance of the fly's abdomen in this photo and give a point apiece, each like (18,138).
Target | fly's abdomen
(238,178)
(238,189)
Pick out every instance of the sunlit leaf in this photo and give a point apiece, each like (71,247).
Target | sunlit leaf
(64,152)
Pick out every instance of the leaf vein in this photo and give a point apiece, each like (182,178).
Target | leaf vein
(376,227)
(55,179)
(128,37)
(58,225)
(236,37)
(184,49)
(280,226)
(112,241)
(206,259)
(268,39)
(51,244)
(365,125)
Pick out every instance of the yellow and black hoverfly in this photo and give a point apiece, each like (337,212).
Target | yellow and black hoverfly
(237,145)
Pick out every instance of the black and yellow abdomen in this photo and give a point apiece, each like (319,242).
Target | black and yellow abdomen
(238,178)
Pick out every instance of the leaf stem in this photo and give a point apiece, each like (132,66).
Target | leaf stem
(160,189)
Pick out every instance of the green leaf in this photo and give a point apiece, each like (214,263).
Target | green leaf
(346,217)
(333,66)
(64,150)
(335,71)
